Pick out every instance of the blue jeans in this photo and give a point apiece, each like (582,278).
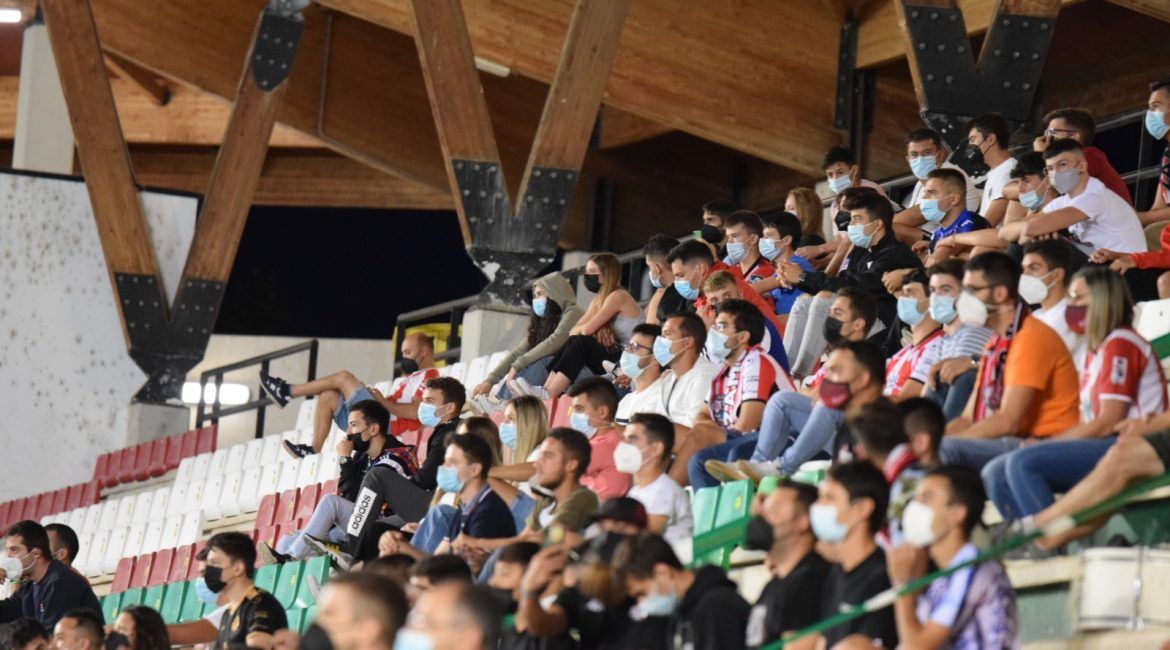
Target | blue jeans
(433,528)
(534,373)
(1034,473)
(736,448)
(330,515)
(953,397)
(794,430)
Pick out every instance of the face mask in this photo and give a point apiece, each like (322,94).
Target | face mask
(1075,316)
(409,366)
(1031,200)
(711,234)
(759,535)
(13,567)
(930,210)
(969,158)
(538,306)
(427,415)
(115,640)
(834,394)
(359,445)
(971,310)
(858,236)
(1156,124)
(658,604)
(840,183)
(841,220)
(918,524)
(627,458)
(503,599)
(448,480)
(823,518)
(662,353)
(508,434)
(908,311)
(1065,181)
(684,289)
(769,249)
(315,638)
(942,309)
(717,344)
(832,330)
(206,595)
(655,280)
(213,577)
(592,283)
(922,166)
(408,639)
(629,363)
(1033,290)
(579,420)
(736,251)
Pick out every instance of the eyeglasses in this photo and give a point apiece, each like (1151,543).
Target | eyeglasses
(1061,132)
(633,347)
(723,327)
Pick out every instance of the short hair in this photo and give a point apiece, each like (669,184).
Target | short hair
(721,207)
(648,329)
(658,428)
(453,391)
(952,178)
(990,124)
(67,537)
(395,566)
(999,269)
(1066,145)
(879,426)
(1056,254)
(966,490)
(373,413)
(838,155)
(476,449)
(518,553)
(576,447)
(32,535)
(869,355)
(376,597)
(89,623)
(862,480)
(476,605)
(922,135)
(718,280)
(637,555)
(689,252)
(438,569)
(1029,164)
(863,305)
(150,631)
(787,225)
(876,205)
(806,494)
(659,246)
(1159,84)
(485,429)
(597,391)
(747,318)
(692,327)
(237,546)
(924,415)
(25,631)
(952,267)
(749,220)
(1078,118)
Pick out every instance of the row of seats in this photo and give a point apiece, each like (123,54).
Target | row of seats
(152,459)
(46,504)
(154,569)
(288,512)
(472,372)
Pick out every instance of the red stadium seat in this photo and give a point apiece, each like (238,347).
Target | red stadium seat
(5,509)
(158,459)
(193,572)
(122,575)
(308,501)
(266,534)
(329,487)
(181,563)
(90,493)
(205,442)
(21,509)
(267,510)
(60,497)
(109,477)
(286,507)
(560,412)
(73,496)
(44,506)
(142,568)
(188,444)
(127,469)
(142,453)
(174,451)
(160,573)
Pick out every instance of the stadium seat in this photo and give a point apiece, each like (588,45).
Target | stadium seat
(171,528)
(73,496)
(57,502)
(310,616)
(287,584)
(286,507)
(101,469)
(200,468)
(193,500)
(178,498)
(76,520)
(703,507)
(267,510)
(158,458)
(111,606)
(328,487)
(44,506)
(289,470)
(235,459)
(249,497)
(269,478)
(122,575)
(98,545)
(132,596)
(160,573)
(174,452)
(205,440)
(158,503)
(143,452)
(93,518)
(192,528)
(266,577)
(142,504)
(212,490)
(307,501)
(253,453)
(476,371)
(296,618)
(265,534)
(81,562)
(125,514)
(735,500)
(153,597)
(229,494)
(329,468)
(195,551)
(181,562)
(5,509)
(193,607)
(307,473)
(127,462)
(135,541)
(186,470)
(188,444)
(315,570)
(559,410)
(90,493)
(115,548)
(172,604)
(142,567)
(109,514)
(219,460)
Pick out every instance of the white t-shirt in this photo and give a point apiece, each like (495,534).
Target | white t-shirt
(1054,318)
(1110,222)
(684,395)
(643,401)
(996,180)
(524,486)
(664,497)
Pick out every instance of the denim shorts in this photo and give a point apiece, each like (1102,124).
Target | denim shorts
(341,413)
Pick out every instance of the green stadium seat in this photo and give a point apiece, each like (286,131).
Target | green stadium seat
(153,598)
(318,569)
(310,616)
(703,506)
(172,608)
(266,577)
(732,510)
(193,608)
(111,605)
(287,583)
(296,618)
(131,597)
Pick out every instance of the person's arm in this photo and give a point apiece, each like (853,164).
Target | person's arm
(1004,422)
(1159,211)
(1049,222)
(1113,411)
(554,342)
(514,472)
(1155,259)
(750,415)
(541,570)
(505,365)
(262,640)
(609,309)
(506,490)
(657,523)
(590,312)
(912,634)
(988,237)
(834,266)
(912,388)
(652,306)
(997,210)
(768,284)
(201,631)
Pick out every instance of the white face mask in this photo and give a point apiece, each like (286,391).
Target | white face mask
(627,458)
(13,567)
(971,310)
(1034,290)
(918,524)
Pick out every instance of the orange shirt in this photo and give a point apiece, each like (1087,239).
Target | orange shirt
(1039,359)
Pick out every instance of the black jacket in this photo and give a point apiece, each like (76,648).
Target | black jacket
(60,590)
(864,271)
(427,474)
(712,614)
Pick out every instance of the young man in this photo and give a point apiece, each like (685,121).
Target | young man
(482,513)
(513,561)
(666,300)
(63,543)
(705,610)
(942,205)
(253,615)
(645,453)
(1027,384)
(685,381)
(925,153)
(452,615)
(27,634)
(842,171)
(879,435)
(691,262)
(782,234)
(1096,217)
(952,378)
(989,134)
(721,286)
(1047,269)
(361,611)
(594,402)
(909,368)
(1078,124)
(338,392)
(792,599)
(79,629)
(744,231)
(924,425)
(52,588)
(638,363)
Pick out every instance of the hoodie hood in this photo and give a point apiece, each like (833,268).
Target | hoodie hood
(558,289)
(710,582)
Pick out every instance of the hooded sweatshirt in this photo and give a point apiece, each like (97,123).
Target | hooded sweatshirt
(558,290)
(712,614)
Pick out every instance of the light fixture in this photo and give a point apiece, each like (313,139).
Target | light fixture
(491,67)
(230,394)
(10,15)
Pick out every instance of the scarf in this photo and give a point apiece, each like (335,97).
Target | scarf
(989,387)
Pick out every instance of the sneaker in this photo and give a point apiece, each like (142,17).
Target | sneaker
(276,388)
(339,557)
(269,555)
(486,405)
(528,389)
(723,472)
(517,389)
(298,451)
(756,470)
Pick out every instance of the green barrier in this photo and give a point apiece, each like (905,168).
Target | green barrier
(889,596)
(1161,346)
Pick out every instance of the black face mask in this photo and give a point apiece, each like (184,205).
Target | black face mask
(359,445)
(832,330)
(969,158)
(409,366)
(711,234)
(593,283)
(213,576)
(315,638)
(503,599)
(115,640)
(759,535)
(841,220)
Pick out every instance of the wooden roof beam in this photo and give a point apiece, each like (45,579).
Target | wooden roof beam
(1159,9)
(142,79)
(617,128)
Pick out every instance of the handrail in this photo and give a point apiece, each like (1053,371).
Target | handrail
(202,415)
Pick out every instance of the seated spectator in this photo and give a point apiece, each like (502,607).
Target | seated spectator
(974,607)
(952,378)
(28,634)
(782,234)
(809,210)
(523,429)
(79,629)
(1029,194)
(942,205)
(990,135)
(1158,216)
(792,599)
(874,253)
(482,514)
(337,393)
(925,153)
(434,571)
(1048,267)
(924,425)
(843,172)
(1027,384)
(140,628)
(686,380)
(712,229)
(49,588)
(452,615)
(554,314)
(1121,378)
(739,391)
(253,615)
(1095,217)
(645,454)
(639,365)
(909,368)
(63,543)
(692,263)
(666,300)
(879,434)
(706,612)
(852,314)
(744,231)
(606,326)
(510,567)
(721,286)
(850,511)
(594,402)
(1078,124)
(395,566)
(205,630)
(361,610)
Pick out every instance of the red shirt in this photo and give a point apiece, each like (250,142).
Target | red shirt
(1101,169)
(603,476)
(408,390)
(753,378)
(1155,259)
(1124,368)
(745,289)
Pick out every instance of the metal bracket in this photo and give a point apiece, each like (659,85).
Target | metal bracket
(275,48)
(485,201)
(544,205)
(509,273)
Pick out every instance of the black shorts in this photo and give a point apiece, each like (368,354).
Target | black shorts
(1160,441)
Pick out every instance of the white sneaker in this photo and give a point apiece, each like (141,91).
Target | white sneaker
(517,389)
(526,388)
(756,470)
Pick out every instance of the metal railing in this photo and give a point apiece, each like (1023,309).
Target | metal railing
(202,415)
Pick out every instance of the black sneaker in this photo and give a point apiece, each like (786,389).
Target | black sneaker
(276,388)
(269,555)
(340,558)
(298,451)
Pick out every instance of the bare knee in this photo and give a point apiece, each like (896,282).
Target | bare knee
(1164,286)
(330,398)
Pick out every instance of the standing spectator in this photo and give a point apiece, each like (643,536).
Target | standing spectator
(666,300)
(1078,124)
(594,402)
(79,629)
(52,588)
(989,134)
(361,610)
(645,454)
(253,614)
(925,153)
(142,628)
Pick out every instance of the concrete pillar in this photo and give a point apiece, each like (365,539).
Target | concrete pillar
(44,137)
(146,422)
(491,329)
(572,260)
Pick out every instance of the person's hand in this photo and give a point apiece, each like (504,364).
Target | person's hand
(481,388)
(3,575)
(809,252)
(1123,264)
(621,379)
(920,247)
(950,369)
(605,337)
(285,639)
(1041,143)
(893,280)
(789,273)
(344,448)
(905,563)
(375,393)
(389,543)
(511,374)
(411,527)
(1103,255)
(543,567)
(1136,427)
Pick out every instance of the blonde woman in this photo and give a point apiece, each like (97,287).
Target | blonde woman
(523,429)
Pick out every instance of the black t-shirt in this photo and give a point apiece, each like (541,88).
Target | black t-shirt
(846,589)
(488,517)
(600,627)
(789,603)
(259,612)
(672,304)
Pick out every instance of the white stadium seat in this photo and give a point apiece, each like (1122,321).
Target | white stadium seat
(229,494)
(235,458)
(328,468)
(159,502)
(212,490)
(178,499)
(495,359)
(218,462)
(269,479)
(134,541)
(95,563)
(289,469)
(125,511)
(76,520)
(83,548)
(114,549)
(272,452)
(476,371)
(201,468)
(193,500)
(152,540)
(306,412)
(142,507)
(307,474)
(171,528)
(253,452)
(250,489)
(192,528)
(109,514)
(186,468)
(93,519)
(456,371)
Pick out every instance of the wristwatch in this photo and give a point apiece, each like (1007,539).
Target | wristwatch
(802,277)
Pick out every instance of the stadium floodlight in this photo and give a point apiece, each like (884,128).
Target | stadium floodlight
(229,394)
(11,15)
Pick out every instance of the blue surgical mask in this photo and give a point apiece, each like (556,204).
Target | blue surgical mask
(840,183)
(508,434)
(408,639)
(930,210)
(823,519)
(736,251)
(662,353)
(206,595)
(684,289)
(1065,181)
(942,309)
(655,281)
(769,249)
(1156,124)
(922,166)
(658,604)
(448,480)
(427,415)
(858,237)
(538,306)
(717,344)
(579,420)
(629,363)
(908,311)
(1031,200)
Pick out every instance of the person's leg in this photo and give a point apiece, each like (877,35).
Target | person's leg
(383,485)
(816,436)
(794,329)
(813,343)
(332,512)
(1035,473)
(700,437)
(343,382)
(433,528)
(1164,286)
(975,453)
(995,481)
(521,507)
(696,467)
(784,416)
(957,395)
(328,405)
